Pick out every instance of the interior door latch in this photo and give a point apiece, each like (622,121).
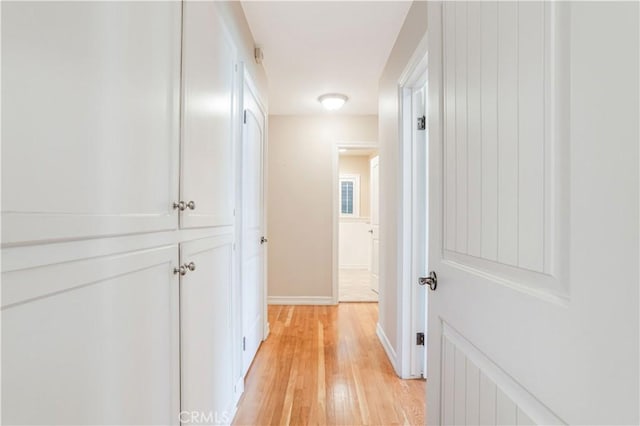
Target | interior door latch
(431,280)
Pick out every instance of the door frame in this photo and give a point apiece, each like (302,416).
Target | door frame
(414,74)
(336,202)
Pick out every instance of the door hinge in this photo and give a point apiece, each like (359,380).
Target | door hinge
(244,343)
(244,119)
(422,123)
(420,339)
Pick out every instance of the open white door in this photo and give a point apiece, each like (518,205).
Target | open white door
(533,129)
(252,225)
(374,183)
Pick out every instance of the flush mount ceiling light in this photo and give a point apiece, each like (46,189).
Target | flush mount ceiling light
(332,101)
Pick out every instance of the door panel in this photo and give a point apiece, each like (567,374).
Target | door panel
(206,354)
(90,112)
(375,222)
(252,270)
(522,321)
(209,72)
(83,342)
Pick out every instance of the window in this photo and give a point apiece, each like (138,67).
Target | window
(349,195)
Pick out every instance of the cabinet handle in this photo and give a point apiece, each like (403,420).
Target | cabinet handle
(179,205)
(180,270)
(190,266)
(191,205)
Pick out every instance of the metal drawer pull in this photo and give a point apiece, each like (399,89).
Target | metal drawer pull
(190,266)
(191,205)
(179,205)
(180,270)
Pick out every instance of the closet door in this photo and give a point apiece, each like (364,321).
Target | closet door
(205,328)
(209,74)
(91,341)
(90,118)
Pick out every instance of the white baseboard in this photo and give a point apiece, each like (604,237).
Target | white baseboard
(267,330)
(239,390)
(391,354)
(361,267)
(300,300)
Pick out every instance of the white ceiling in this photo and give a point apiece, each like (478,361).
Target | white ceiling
(312,48)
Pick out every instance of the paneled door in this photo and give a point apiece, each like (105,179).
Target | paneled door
(90,119)
(374,183)
(206,353)
(208,78)
(533,213)
(252,237)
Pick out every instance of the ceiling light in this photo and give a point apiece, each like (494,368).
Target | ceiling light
(332,101)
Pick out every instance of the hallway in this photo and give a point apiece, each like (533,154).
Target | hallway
(325,365)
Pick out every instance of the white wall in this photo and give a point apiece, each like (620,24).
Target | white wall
(412,32)
(354,248)
(300,200)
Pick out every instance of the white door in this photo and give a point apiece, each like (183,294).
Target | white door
(208,79)
(419,250)
(533,210)
(252,245)
(206,353)
(90,119)
(374,183)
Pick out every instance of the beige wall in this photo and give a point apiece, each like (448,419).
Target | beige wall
(412,32)
(359,165)
(300,199)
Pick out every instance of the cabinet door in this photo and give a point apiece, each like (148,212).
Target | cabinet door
(205,329)
(208,97)
(92,341)
(90,118)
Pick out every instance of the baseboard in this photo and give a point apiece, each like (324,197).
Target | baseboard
(239,390)
(391,354)
(360,267)
(300,300)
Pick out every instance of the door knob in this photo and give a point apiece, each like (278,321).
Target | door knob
(180,205)
(182,270)
(190,266)
(263,240)
(431,280)
(191,205)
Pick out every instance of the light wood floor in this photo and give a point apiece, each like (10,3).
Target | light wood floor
(324,365)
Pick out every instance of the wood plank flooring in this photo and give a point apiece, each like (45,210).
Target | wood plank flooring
(324,365)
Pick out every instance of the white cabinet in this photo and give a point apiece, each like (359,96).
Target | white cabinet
(209,77)
(92,341)
(205,328)
(113,112)
(90,118)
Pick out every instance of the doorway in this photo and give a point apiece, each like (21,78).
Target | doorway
(358,224)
